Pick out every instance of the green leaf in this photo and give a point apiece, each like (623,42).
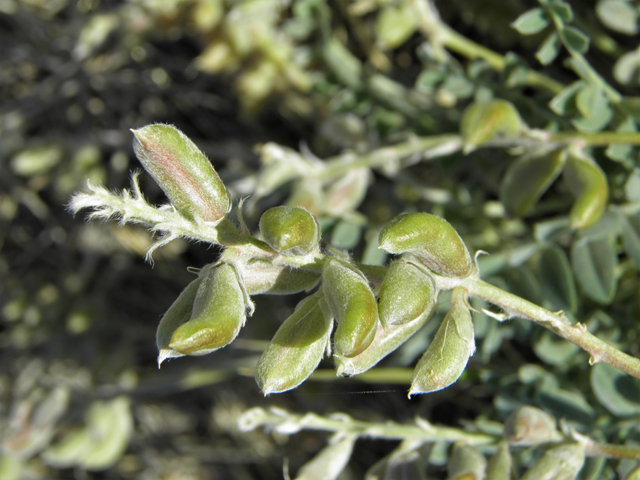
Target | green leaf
(345,234)
(565,404)
(632,186)
(592,102)
(549,49)
(617,391)
(621,152)
(564,101)
(631,236)
(595,124)
(561,10)
(522,282)
(558,285)
(594,262)
(109,424)
(531,22)
(625,71)
(527,179)
(395,24)
(373,255)
(574,40)
(618,15)
(554,350)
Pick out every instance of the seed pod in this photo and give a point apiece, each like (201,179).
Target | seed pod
(465,462)
(449,351)
(217,316)
(482,121)
(588,184)
(430,238)
(562,462)
(633,474)
(386,340)
(527,179)
(406,294)
(262,277)
(530,426)
(500,463)
(353,305)
(347,193)
(178,314)
(290,230)
(182,171)
(296,349)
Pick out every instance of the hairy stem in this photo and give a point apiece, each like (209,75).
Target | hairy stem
(556,322)
(277,419)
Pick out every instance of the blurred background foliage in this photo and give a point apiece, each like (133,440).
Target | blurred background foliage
(322,104)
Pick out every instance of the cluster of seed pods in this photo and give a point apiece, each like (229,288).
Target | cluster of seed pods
(345,316)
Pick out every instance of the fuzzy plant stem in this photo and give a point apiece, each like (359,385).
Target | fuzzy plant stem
(287,422)
(558,323)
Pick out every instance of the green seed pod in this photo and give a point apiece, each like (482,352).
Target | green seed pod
(406,294)
(562,462)
(347,193)
(263,277)
(353,305)
(500,463)
(217,316)
(465,462)
(386,340)
(183,172)
(633,474)
(178,314)
(530,426)
(482,121)
(527,179)
(449,351)
(430,238)
(296,349)
(588,184)
(290,230)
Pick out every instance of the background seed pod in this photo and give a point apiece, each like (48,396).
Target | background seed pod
(290,230)
(562,462)
(353,305)
(465,462)
(406,294)
(482,121)
(449,351)
(430,238)
(296,349)
(588,184)
(217,316)
(530,426)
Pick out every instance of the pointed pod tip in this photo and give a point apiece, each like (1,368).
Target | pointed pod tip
(167,353)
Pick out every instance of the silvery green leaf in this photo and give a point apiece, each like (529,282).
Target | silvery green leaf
(531,22)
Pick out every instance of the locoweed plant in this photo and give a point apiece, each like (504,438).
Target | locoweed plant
(358,313)
(561,223)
